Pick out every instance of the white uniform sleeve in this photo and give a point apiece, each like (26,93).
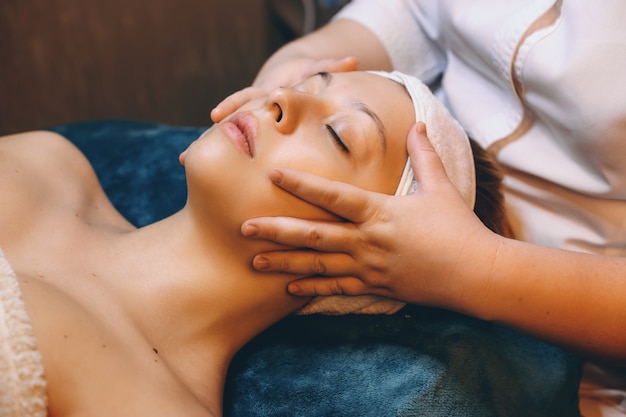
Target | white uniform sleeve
(408,29)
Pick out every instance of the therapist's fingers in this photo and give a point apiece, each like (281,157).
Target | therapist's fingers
(309,287)
(306,263)
(426,163)
(344,200)
(260,89)
(294,71)
(346,64)
(231,103)
(300,233)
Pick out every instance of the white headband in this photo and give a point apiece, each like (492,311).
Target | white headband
(446,135)
(453,147)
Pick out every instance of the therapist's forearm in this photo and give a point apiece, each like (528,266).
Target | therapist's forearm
(572,299)
(337,39)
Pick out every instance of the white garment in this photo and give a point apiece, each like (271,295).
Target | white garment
(542,84)
(22,382)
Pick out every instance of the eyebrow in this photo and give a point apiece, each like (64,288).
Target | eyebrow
(362,107)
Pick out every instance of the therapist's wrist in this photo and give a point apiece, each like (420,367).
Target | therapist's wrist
(471,284)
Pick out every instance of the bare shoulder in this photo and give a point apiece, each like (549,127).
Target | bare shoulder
(42,173)
(42,156)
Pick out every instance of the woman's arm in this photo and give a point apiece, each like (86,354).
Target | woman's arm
(569,298)
(429,248)
(334,41)
(341,45)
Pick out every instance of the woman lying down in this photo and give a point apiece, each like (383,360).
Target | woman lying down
(101,318)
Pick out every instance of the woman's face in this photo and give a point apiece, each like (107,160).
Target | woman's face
(348,127)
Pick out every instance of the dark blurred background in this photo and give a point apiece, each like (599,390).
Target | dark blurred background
(167,61)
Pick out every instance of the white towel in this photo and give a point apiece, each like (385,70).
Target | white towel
(452,145)
(22,384)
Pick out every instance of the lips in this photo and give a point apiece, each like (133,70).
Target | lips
(241,129)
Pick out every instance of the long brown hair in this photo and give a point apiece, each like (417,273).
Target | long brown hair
(489,206)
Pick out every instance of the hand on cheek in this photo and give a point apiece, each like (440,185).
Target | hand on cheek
(421,248)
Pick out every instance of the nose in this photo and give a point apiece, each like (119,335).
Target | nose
(287,107)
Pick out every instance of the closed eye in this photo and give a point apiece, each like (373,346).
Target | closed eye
(337,139)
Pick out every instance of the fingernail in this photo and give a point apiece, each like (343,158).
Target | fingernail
(421,128)
(275,176)
(294,288)
(261,263)
(250,230)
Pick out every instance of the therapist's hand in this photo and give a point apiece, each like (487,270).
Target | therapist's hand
(282,74)
(427,248)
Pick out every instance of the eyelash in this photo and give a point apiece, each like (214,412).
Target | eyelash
(337,139)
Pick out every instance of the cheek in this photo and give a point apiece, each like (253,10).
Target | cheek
(232,195)
(272,201)
(372,174)
(381,176)
(311,157)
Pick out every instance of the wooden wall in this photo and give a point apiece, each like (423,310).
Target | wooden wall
(168,61)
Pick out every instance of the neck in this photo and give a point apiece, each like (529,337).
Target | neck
(196,299)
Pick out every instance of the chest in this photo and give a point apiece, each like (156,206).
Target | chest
(96,361)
